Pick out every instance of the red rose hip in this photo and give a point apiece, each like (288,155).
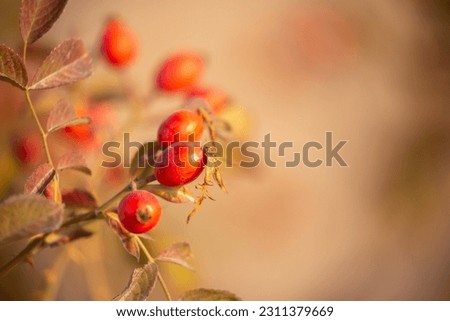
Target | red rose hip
(181,126)
(139,212)
(179,164)
(179,72)
(119,44)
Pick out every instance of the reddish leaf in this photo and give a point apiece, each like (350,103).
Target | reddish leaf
(63,115)
(209,295)
(67,63)
(39,179)
(12,68)
(141,284)
(79,198)
(24,216)
(74,161)
(128,241)
(177,253)
(38,16)
(67,236)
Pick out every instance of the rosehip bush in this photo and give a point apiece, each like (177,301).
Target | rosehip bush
(47,215)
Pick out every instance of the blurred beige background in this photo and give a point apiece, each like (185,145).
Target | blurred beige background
(375,73)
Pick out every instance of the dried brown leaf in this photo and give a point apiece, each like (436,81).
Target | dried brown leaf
(141,284)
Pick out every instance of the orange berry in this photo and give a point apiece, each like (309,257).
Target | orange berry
(119,43)
(180,72)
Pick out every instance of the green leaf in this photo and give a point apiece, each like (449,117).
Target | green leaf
(172,194)
(63,115)
(12,68)
(74,160)
(38,16)
(128,241)
(67,63)
(39,179)
(177,253)
(23,216)
(208,295)
(141,284)
(145,158)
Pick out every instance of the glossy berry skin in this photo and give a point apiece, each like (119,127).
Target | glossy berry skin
(181,126)
(119,44)
(179,72)
(216,98)
(139,212)
(179,164)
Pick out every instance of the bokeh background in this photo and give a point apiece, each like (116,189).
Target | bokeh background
(375,73)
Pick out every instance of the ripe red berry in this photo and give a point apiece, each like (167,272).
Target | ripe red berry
(216,98)
(181,126)
(119,43)
(179,164)
(179,72)
(139,212)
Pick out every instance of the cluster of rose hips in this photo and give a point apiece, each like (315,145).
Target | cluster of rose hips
(179,73)
(180,161)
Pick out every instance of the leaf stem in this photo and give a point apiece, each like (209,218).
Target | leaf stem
(41,129)
(159,276)
(44,135)
(24,53)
